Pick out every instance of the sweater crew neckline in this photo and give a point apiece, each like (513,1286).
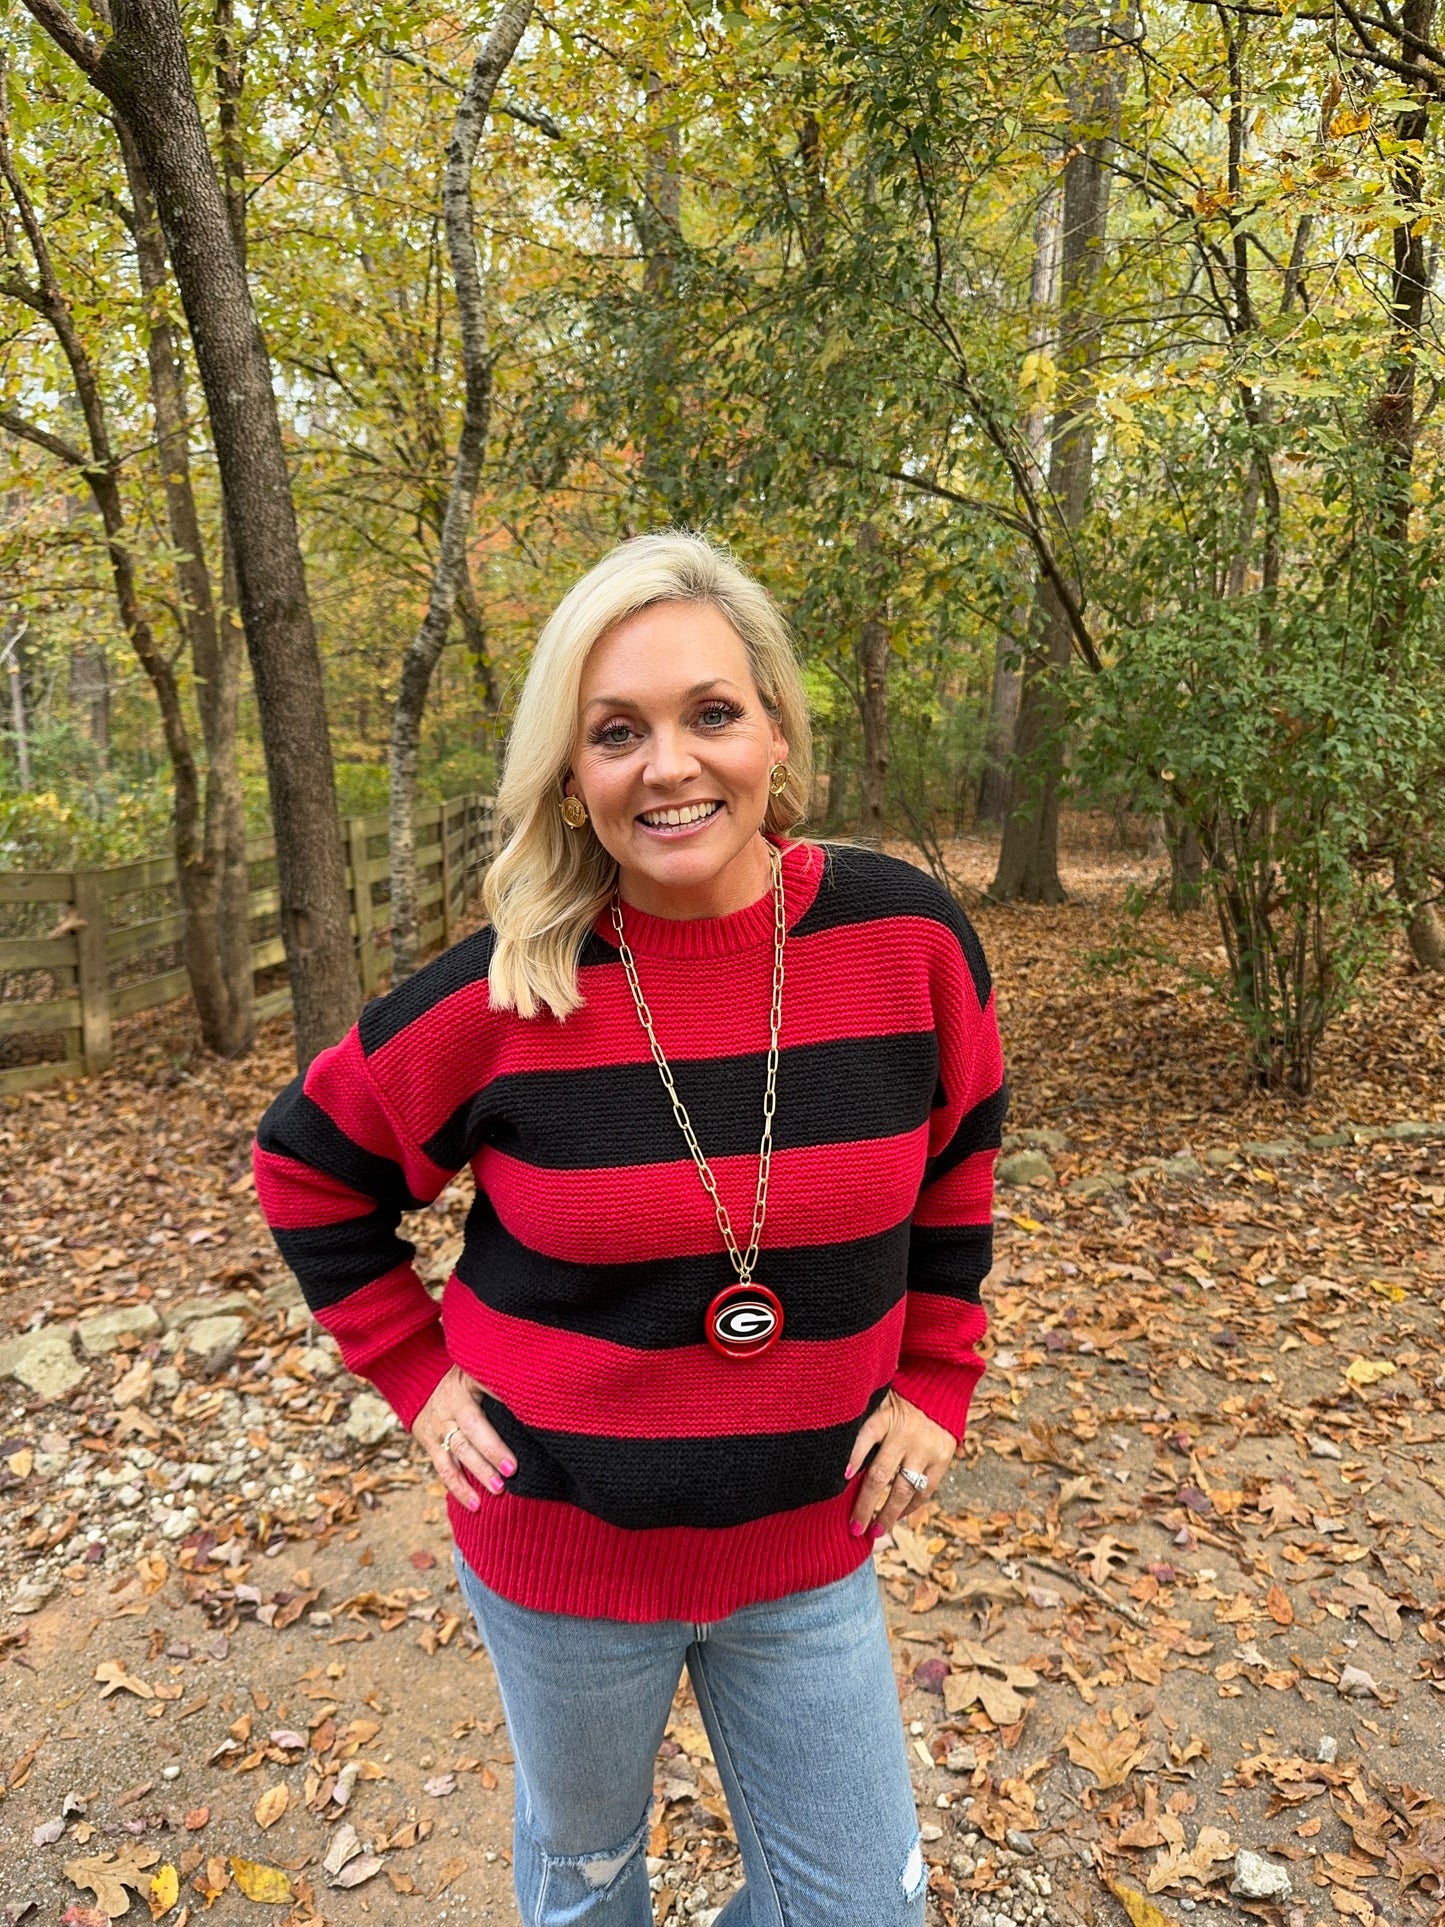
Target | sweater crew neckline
(745,929)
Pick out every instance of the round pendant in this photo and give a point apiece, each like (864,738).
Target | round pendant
(744,1320)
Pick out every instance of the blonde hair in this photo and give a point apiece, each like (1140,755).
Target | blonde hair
(548,883)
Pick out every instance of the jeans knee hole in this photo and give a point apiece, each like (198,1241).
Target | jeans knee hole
(599,1871)
(914,1875)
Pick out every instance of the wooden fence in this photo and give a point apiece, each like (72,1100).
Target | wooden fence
(111,942)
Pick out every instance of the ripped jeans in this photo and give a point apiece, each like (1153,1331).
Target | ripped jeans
(799,1703)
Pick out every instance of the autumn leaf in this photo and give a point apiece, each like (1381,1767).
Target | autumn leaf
(1369,1371)
(1107,1552)
(1278,1605)
(212,1880)
(259,1882)
(1179,1863)
(1110,1756)
(1284,1507)
(164,1891)
(108,1875)
(451,1870)
(1141,1912)
(118,1680)
(271,1805)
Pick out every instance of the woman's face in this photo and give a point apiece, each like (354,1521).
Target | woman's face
(673,753)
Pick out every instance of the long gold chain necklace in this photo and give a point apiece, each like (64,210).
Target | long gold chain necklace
(746,1318)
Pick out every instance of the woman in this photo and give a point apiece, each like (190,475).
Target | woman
(686,1048)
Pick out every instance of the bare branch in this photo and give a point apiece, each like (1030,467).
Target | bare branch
(26,431)
(66,33)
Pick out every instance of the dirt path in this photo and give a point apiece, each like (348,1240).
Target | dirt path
(1181,1595)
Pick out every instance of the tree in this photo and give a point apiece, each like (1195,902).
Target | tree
(1028,864)
(447,577)
(218,959)
(143,70)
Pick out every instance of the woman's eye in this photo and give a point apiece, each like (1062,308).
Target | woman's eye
(716,715)
(612,735)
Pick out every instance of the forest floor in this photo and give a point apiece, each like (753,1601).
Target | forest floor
(1181,1600)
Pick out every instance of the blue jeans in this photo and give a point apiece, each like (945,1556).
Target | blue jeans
(799,1703)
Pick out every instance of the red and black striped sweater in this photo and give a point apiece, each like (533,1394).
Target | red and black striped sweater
(655,1477)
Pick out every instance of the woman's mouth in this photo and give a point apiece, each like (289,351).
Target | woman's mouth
(679,819)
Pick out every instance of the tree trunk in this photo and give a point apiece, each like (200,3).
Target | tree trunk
(658,224)
(90,694)
(217,891)
(447,577)
(1028,865)
(144,71)
(1007,672)
(873,653)
(1396,427)
(10,656)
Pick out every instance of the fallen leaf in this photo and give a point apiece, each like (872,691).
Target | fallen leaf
(1141,1912)
(118,1680)
(77,1916)
(366,1867)
(259,1882)
(1369,1371)
(440,1785)
(196,1818)
(108,1876)
(1179,1863)
(164,1891)
(1375,1607)
(48,1832)
(1110,1756)
(1278,1605)
(450,1870)
(22,1462)
(271,1805)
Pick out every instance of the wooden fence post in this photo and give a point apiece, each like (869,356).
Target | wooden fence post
(358,846)
(92,976)
(446,877)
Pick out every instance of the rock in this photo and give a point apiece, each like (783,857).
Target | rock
(1274,1152)
(1327,1140)
(216,1341)
(1035,1140)
(282,1296)
(1184,1167)
(1256,1878)
(318,1360)
(1016,1838)
(100,1331)
(1414,1132)
(1328,1750)
(928,1833)
(1323,1448)
(1025,1167)
(31,1594)
(175,1525)
(961,1759)
(1356,1684)
(1146,1169)
(190,1311)
(134,1387)
(43,1361)
(370,1419)
(1221,1156)
(1098,1185)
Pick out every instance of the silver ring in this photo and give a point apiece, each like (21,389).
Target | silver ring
(918,1480)
(450,1435)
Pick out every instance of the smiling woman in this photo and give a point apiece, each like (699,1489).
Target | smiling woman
(668,1441)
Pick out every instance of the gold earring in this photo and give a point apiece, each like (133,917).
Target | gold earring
(574,812)
(777,779)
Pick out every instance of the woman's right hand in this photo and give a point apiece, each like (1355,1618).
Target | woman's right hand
(452,1427)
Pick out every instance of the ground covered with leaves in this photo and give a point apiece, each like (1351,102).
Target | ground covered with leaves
(1170,1642)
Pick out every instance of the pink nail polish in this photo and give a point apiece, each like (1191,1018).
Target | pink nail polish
(494,1484)
(847,1471)
(474,1504)
(508,1467)
(855,1528)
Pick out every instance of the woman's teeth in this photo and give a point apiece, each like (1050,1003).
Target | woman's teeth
(675,819)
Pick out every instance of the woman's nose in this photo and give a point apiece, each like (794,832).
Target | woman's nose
(672,760)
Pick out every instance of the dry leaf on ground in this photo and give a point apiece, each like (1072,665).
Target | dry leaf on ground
(260,1882)
(108,1875)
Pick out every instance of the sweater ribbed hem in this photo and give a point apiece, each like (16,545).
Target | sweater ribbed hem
(408,1374)
(650,936)
(556,1558)
(941,1391)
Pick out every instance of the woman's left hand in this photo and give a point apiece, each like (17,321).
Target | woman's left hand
(904,1437)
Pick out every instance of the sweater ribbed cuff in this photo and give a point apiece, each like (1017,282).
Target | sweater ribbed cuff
(408,1374)
(940,1388)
